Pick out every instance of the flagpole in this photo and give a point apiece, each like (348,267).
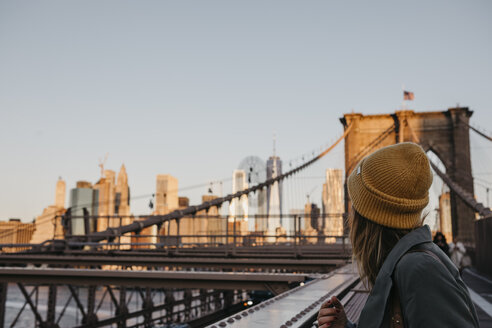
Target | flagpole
(403,104)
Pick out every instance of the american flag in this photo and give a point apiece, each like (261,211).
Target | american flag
(407,95)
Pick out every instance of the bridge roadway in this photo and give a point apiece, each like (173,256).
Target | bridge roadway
(340,250)
(297,307)
(313,265)
(274,282)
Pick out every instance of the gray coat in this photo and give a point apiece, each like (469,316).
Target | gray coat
(431,294)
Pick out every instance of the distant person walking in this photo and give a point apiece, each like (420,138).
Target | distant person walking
(440,241)
(458,255)
(412,282)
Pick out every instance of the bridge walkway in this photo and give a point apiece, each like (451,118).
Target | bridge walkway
(480,288)
(297,307)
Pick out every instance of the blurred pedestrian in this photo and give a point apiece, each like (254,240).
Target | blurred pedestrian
(412,282)
(440,240)
(459,255)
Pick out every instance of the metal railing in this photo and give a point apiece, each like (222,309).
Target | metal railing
(483,231)
(201,231)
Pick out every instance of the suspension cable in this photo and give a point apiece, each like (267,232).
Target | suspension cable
(476,130)
(112,233)
(462,193)
(456,188)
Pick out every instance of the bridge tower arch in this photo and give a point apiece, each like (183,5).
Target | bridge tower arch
(446,133)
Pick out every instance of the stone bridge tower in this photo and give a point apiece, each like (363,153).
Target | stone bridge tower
(444,133)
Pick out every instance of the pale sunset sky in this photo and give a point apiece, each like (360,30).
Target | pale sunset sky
(190,88)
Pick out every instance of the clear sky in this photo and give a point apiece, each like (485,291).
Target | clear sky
(190,88)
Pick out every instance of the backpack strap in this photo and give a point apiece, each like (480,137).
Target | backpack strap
(396,313)
(428,252)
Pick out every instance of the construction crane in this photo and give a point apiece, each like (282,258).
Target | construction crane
(102,163)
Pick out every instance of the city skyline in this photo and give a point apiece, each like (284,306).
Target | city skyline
(201,191)
(109,198)
(106,204)
(160,94)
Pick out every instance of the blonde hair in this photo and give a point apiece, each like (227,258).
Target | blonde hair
(371,244)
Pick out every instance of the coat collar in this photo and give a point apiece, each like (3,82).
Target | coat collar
(411,239)
(372,315)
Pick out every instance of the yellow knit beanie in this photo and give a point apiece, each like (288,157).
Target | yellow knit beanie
(391,186)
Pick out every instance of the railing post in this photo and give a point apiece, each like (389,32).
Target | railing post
(228,296)
(3,297)
(298,218)
(50,317)
(54,228)
(177,233)
(187,300)
(91,305)
(234,231)
(204,305)
(169,305)
(295,233)
(147,305)
(122,308)
(227,231)
(119,235)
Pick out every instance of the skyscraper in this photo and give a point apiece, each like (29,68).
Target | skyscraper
(122,193)
(48,224)
(166,201)
(106,189)
(166,194)
(15,232)
(215,224)
(60,193)
(103,199)
(261,212)
(239,207)
(333,203)
(274,195)
(122,204)
(445,216)
(83,205)
(188,225)
(113,199)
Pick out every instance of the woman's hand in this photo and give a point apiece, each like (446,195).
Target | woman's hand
(332,314)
